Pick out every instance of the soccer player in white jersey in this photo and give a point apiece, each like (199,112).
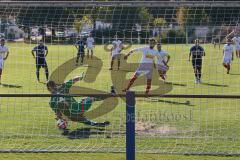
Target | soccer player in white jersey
(236,41)
(90,45)
(115,51)
(162,61)
(228,55)
(146,64)
(3,55)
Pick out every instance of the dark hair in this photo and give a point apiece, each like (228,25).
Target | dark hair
(152,39)
(51,84)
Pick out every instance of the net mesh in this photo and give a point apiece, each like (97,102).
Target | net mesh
(163,125)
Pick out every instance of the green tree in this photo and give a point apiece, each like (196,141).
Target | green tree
(79,23)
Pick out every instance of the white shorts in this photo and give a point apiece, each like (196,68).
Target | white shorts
(145,68)
(116,56)
(90,47)
(227,60)
(1,64)
(237,48)
(161,67)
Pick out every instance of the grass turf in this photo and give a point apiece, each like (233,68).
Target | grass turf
(179,125)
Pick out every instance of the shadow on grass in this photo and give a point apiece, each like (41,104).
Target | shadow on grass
(85,133)
(234,74)
(187,103)
(11,85)
(214,85)
(176,84)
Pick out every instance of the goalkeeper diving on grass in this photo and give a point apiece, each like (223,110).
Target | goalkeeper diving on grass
(67,106)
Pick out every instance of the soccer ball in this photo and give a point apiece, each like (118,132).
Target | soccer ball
(62,124)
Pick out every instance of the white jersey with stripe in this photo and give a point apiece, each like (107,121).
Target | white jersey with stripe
(3,51)
(236,40)
(161,56)
(148,54)
(90,42)
(227,51)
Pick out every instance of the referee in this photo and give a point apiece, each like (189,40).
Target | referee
(197,52)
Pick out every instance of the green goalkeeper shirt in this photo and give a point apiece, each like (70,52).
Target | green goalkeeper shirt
(73,107)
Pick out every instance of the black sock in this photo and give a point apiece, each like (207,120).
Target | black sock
(196,76)
(37,73)
(46,73)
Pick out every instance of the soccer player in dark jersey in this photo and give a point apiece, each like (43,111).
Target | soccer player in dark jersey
(67,106)
(80,45)
(40,53)
(197,52)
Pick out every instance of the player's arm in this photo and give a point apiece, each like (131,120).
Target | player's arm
(154,64)
(111,51)
(76,45)
(231,34)
(46,52)
(132,51)
(190,54)
(6,55)
(69,83)
(33,53)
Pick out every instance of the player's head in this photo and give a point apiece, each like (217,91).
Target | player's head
(159,45)
(152,42)
(114,45)
(90,34)
(51,86)
(229,41)
(40,43)
(2,41)
(115,36)
(196,42)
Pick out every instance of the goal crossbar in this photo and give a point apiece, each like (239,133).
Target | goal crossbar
(120,3)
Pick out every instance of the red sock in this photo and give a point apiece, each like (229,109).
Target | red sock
(149,81)
(131,82)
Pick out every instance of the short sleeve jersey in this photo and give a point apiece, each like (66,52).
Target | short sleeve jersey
(90,42)
(3,51)
(227,51)
(74,106)
(196,52)
(80,45)
(40,51)
(236,40)
(148,54)
(161,57)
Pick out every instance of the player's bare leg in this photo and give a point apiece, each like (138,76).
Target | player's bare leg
(82,58)
(37,73)
(78,56)
(199,75)
(112,61)
(237,55)
(130,83)
(149,83)
(162,74)
(0,75)
(91,54)
(88,53)
(228,68)
(119,63)
(46,72)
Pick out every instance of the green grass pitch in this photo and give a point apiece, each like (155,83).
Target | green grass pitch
(179,125)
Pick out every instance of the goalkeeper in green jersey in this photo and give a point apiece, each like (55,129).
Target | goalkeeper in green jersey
(67,106)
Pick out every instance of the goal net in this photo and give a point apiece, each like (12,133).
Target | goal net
(163,125)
